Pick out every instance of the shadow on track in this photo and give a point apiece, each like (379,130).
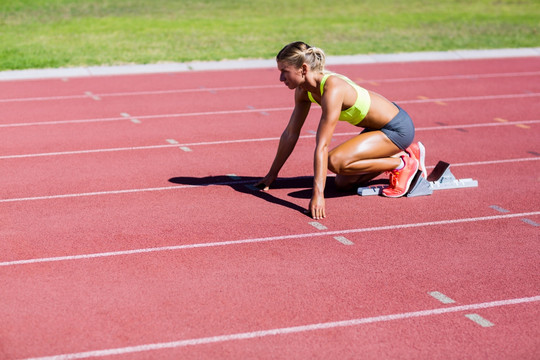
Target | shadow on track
(246,185)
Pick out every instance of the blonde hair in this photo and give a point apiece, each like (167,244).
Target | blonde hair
(298,53)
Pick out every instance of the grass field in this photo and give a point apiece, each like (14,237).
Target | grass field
(61,33)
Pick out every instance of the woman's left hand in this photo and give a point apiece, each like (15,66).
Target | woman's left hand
(316,207)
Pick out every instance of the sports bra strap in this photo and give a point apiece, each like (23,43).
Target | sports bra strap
(323,81)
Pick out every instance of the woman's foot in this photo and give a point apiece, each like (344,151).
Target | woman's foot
(400,179)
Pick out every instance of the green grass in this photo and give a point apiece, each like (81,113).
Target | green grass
(61,33)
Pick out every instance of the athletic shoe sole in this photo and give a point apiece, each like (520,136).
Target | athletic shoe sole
(418,150)
(422,160)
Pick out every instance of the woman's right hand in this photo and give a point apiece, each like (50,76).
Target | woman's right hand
(264,184)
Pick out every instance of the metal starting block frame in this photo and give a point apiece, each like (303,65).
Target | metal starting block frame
(441,178)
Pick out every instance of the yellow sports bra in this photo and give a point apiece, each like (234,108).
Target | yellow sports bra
(359,110)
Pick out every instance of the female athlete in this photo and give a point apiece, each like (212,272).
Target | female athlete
(386,144)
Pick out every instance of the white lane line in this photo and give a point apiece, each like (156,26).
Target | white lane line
(266,239)
(474,317)
(165,188)
(92,96)
(149,92)
(148,147)
(494,162)
(236,88)
(343,240)
(458,77)
(466,126)
(441,297)
(469,98)
(159,116)
(289,330)
(110,192)
(479,320)
(131,118)
(230,112)
(210,90)
(247,184)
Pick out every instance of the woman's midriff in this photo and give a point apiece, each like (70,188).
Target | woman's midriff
(380,113)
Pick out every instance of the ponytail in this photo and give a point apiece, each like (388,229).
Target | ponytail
(315,58)
(298,53)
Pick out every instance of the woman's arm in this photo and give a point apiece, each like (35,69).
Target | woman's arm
(331,104)
(288,138)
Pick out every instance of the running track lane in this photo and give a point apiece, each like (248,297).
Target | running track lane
(339,285)
(247,288)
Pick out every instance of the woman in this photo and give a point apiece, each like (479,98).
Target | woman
(384,145)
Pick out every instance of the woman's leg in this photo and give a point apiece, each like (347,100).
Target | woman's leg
(362,158)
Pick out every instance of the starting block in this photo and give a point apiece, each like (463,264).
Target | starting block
(441,178)
(370,190)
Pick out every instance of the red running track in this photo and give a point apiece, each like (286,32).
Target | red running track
(129,229)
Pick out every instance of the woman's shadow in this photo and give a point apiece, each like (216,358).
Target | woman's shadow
(246,185)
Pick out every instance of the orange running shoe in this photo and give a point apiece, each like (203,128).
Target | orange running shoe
(400,180)
(418,150)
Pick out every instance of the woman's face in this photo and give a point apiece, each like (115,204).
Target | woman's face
(290,75)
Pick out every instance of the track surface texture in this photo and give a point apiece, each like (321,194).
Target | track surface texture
(130,229)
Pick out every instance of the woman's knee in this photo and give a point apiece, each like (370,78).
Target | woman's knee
(336,163)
